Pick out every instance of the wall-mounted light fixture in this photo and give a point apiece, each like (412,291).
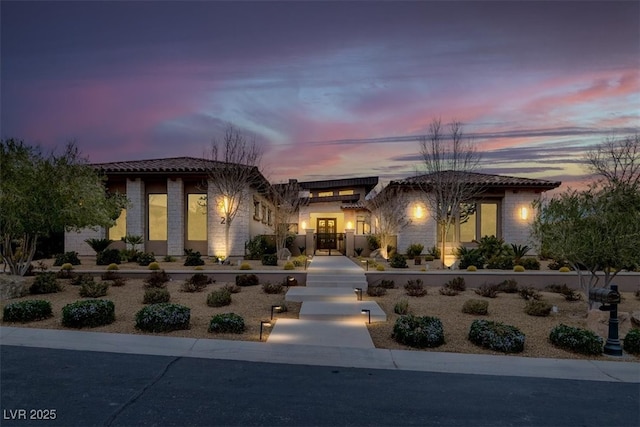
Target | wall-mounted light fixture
(524,213)
(264,323)
(418,212)
(349,225)
(304,225)
(366,311)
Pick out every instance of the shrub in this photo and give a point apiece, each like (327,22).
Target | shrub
(446,291)
(434,251)
(508,286)
(487,290)
(576,340)
(537,308)
(65,273)
(112,267)
(379,267)
(66,266)
(169,258)
(530,263)
(145,258)
(469,257)
(472,268)
(93,289)
(91,313)
(401,307)
(557,264)
(272,288)
(114,278)
(27,311)
(108,256)
(475,306)
(504,262)
(67,257)
(98,245)
(232,288)
(387,284)
(518,269)
(373,241)
(376,291)
(219,298)
(245,266)
(299,261)
(270,259)
(45,283)
(259,246)
(289,266)
(156,279)
(154,266)
(357,251)
(164,317)
(529,293)
(457,284)
(418,331)
(193,258)
(564,269)
(247,280)
(632,341)
(415,288)
(398,261)
(414,250)
(196,283)
(229,323)
(496,336)
(156,296)
(569,294)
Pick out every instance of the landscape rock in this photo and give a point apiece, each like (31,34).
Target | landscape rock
(635,318)
(377,255)
(12,286)
(284,253)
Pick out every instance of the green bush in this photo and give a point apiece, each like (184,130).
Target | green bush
(108,256)
(518,269)
(67,257)
(247,280)
(219,298)
(145,258)
(537,308)
(45,283)
(154,265)
(289,266)
(387,284)
(415,288)
(475,306)
(469,257)
(112,267)
(229,323)
(414,250)
(245,266)
(157,279)
(457,284)
(376,291)
(164,317)
(504,262)
(373,241)
(270,259)
(27,311)
(401,307)
(156,296)
(90,313)
(508,286)
(577,340)
(300,260)
(564,290)
(428,258)
(487,290)
(418,331)
(93,289)
(196,283)
(99,245)
(632,341)
(435,252)
(530,263)
(259,246)
(272,288)
(496,336)
(193,258)
(398,261)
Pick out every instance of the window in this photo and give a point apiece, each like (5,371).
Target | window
(362,225)
(157,217)
(468,229)
(489,219)
(345,192)
(482,222)
(269,217)
(325,194)
(256,210)
(264,214)
(196,217)
(119,229)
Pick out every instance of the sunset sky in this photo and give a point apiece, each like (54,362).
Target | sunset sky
(329,89)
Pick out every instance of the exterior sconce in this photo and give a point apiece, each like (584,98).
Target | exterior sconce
(418,213)
(304,225)
(349,225)
(366,311)
(264,323)
(524,213)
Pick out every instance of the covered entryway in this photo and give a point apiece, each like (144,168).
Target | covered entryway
(327,234)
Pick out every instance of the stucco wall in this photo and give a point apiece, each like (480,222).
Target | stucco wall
(75,241)
(515,229)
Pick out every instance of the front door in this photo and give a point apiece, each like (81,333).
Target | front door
(327,236)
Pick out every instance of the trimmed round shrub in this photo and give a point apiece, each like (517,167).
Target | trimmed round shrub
(90,313)
(247,280)
(472,268)
(577,340)
(229,323)
(380,268)
(108,256)
(564,269)
(156,296)
(537,308)
(418,331)
(163,317)
(245,266)
(27,311)
(219,298)
(518,269)
(632,341)
(66,266)
(45,283)
(154,266)
(475,306)
(93,289)
(496,336)
(398,261)
(289,266)
(112,267)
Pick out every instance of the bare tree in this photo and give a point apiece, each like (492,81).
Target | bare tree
(232,174)
(287,201)
(449,189)
(389,210)
(617,162)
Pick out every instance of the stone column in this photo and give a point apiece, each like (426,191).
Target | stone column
(311,245)
(350,242)
(175,217)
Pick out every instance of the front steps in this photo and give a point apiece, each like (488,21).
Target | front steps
(302,294)
(342,310)
(337,280)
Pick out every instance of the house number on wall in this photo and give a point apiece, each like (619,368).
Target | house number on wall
(223,220)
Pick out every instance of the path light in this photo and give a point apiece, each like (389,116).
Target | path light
(366,261)
(264,323)
(275,307)
(367,311)
(358,292)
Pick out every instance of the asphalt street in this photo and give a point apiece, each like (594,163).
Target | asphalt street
(80,388)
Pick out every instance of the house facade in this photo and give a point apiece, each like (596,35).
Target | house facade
(173,206)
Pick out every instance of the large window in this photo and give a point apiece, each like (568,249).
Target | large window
(157,217)
(482,222)
(196,217)
(119,229)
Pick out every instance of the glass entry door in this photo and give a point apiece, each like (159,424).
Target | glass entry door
(327,235)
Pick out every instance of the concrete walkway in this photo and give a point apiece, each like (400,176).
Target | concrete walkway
(331,314)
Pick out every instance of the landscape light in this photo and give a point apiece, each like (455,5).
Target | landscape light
(367,311)
(264,323)
(274,307)
(358,292)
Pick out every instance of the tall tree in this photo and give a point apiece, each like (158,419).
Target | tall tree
(232,174)
(389,212)
(448,160)
(41,194)
(288,200)
(616,162)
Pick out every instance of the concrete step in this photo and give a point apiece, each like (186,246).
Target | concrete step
(341,310)
(332,277)
(302,294)
(339,284)
(323,333)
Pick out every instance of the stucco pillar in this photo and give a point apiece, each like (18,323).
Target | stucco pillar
(350,242)
(311,247)
(137,208)
(175,217)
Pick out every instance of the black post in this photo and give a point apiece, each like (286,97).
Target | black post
(612,346)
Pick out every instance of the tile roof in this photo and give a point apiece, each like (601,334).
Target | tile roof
(485,180)
(167,165)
